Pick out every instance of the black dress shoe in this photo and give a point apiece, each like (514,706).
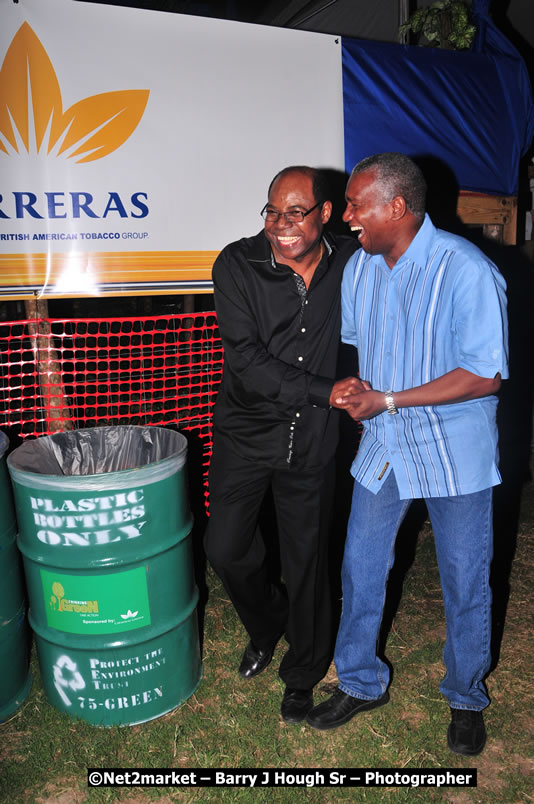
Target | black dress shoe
(340,708)
(467,733)
(296,704)
(254,660)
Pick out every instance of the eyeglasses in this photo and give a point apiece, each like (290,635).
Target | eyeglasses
(293,216)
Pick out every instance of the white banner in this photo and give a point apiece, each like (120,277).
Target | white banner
(135,144)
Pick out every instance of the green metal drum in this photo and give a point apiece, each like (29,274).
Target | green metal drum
(15,638)
(104,528)
(15,644)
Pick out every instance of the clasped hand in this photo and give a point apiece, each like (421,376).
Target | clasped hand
(357,398)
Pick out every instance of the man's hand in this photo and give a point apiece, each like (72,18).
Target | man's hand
(458,385)
(363,403)
(343,388)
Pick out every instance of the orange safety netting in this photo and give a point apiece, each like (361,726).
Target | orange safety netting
(58,374)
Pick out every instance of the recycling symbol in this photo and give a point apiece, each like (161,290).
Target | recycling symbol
(66,676)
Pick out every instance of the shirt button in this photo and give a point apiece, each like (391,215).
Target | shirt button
(297,414)
(291,428)
(300,357)
(303,329)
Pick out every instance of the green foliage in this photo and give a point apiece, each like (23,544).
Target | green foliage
(444,23)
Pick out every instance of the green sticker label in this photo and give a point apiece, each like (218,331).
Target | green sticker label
(96,604)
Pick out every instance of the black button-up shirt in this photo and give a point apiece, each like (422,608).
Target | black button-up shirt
(280,353)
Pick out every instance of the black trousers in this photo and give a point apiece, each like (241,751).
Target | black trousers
(236,550)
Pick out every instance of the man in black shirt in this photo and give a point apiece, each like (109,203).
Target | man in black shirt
(277,297)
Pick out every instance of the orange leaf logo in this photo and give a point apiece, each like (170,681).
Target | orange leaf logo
(31,108)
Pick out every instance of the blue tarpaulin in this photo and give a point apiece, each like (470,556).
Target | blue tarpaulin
(472,110)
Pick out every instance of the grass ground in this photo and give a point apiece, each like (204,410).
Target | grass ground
(231,723)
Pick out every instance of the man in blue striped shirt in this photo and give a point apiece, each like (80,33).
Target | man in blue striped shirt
(427,313)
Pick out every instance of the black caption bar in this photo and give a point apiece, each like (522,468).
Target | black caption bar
(270,777)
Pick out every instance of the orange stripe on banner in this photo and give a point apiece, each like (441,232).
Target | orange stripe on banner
(110,273)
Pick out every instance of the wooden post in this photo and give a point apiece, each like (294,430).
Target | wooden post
(189,303)
(497,214)
(56,407)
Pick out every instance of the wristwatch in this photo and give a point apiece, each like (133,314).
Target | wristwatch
(390,403)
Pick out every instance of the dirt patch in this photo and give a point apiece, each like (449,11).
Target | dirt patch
(490,766)
(58,794)
(525,765)
(414,718)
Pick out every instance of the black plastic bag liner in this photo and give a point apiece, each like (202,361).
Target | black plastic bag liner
(98,451)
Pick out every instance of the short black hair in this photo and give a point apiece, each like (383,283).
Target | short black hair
(320,184)
(397,174)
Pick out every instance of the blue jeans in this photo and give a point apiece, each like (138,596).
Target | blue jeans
(463,535)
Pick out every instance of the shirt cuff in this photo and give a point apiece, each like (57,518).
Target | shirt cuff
(319,391)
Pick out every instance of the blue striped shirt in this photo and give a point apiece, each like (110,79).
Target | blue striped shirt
(441,307)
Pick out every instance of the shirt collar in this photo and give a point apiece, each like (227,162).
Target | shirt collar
(418,250)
